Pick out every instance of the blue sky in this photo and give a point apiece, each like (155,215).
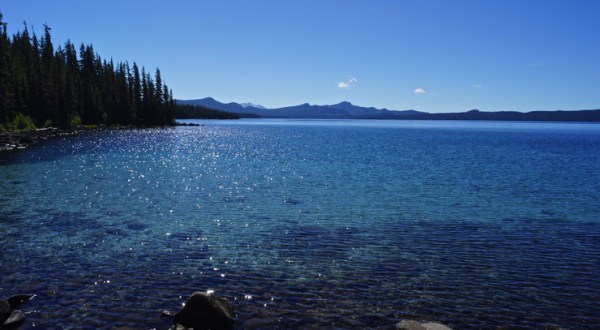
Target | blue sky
(428,55)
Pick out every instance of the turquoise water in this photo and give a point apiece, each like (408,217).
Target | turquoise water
(336,224)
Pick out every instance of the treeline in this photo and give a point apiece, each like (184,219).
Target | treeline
(559,115)
(61,87)
(184,111)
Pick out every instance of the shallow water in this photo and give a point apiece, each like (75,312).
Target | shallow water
(339,224)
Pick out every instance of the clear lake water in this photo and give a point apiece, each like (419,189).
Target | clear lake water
(343,224)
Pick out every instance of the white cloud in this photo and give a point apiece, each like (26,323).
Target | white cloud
(420,91)
(347,84)
(476,86)
(342,85)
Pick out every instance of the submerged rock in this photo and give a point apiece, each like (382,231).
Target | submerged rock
(10,316)
(414,325)
(409,325)
(205,311)
(435,326)
(15,319)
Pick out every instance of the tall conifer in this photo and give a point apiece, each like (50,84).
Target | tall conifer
(5,97)
(56,86)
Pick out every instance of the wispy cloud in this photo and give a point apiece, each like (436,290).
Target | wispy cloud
(347,83)
(420,91)
(476,86)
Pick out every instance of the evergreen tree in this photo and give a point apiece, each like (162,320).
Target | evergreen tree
(35,99)
(49,75)
(72,89)
(137,93)
(5,89)
(60,87)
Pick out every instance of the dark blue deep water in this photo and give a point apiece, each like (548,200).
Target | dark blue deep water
(315,224)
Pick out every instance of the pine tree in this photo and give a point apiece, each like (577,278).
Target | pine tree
(56,86)
(6,97)
(122,95)
(72,92)
(49,74)
(137,94)
(145,98)
(35,96)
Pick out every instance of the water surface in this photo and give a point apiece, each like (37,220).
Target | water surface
(339,224)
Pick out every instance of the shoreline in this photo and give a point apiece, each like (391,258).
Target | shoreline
(19,140)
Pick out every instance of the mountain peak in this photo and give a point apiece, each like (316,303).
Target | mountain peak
(345,105)
(252,105)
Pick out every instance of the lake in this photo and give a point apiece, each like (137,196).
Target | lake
(308,223)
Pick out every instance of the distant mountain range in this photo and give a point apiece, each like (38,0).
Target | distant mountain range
(347,110)
(343,110)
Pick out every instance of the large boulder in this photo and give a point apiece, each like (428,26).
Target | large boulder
(15,319)
(10,316)
(203,311)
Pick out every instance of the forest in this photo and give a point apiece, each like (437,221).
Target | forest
(42,85)
(185,111)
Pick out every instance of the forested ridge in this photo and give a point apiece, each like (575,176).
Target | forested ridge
(186,111)
(44,85)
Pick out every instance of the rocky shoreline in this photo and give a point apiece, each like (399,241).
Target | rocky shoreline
(204,310)
(18,140)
